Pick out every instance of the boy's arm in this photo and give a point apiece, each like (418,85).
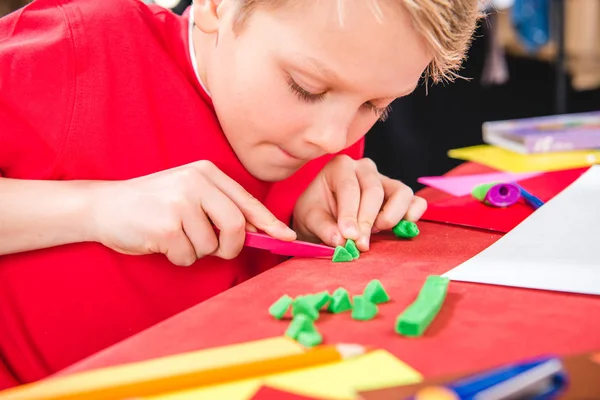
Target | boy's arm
(37,96)
(39,214)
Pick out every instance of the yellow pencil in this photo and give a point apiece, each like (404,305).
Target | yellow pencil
(127,388)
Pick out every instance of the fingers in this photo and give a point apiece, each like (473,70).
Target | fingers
(417,208)
(320,223)
(372,198)
(344,184)
(399,204)
(228,219)
(199,231)
(251,208)
(178,248)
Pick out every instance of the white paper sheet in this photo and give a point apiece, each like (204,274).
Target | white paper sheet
(556,248)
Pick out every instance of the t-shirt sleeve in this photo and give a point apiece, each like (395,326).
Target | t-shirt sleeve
(37,89)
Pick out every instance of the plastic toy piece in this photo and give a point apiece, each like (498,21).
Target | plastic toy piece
(352,249)
(310,339)
(319,299)
(406,229)
(300,323)
(419,315)
(341,255)
(303,305)
(363,309)
(375,293)
(497,194)
(280,307)
(340,301)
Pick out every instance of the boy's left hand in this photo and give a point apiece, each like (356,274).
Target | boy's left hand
(350,199)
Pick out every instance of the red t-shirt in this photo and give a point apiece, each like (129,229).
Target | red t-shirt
(93,89)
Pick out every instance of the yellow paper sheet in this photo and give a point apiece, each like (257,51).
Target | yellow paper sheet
(340,380)
(504,160)
(63,386)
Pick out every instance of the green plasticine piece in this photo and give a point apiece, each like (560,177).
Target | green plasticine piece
(352,249)
(300,323)
(310,339)
(303,305)
(480,191)
(341,255)
(375,293)
(419,315)
(406,229)
(363,309)
(318,300)
(280,307)
(340,301)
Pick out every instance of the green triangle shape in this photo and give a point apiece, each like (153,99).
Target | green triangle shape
(319,299)
(300,323)
(304,305)
(363,309)
(341,255)
(375,292)
(310,339)
(340,301)
(280,307)
(352,249)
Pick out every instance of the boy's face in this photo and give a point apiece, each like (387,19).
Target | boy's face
(304,80)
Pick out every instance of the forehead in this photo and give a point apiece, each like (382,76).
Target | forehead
(365,42)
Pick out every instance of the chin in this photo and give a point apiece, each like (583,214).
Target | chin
(270,173)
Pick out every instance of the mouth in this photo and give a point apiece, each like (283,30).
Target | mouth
(292,156)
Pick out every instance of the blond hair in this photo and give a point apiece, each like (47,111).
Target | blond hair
(447,27)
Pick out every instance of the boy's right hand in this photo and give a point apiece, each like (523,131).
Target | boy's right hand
(173,212)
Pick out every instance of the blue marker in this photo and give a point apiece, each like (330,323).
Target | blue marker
(532,200)
(540,379)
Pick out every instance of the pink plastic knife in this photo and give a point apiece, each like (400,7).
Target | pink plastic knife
(296,248)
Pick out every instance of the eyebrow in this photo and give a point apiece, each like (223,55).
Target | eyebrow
(331,75)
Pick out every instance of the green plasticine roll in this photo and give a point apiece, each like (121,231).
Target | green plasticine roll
(419,315)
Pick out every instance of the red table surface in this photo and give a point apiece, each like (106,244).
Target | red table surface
(479,326)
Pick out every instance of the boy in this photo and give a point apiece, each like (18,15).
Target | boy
(128,132)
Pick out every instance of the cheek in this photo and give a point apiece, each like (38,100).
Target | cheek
(360,126)
(256,100)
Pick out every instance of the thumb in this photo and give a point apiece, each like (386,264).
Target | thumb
(322,225)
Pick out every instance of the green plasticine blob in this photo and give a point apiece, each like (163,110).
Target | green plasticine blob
(280,307)
(340,301)
(318,300)
(341,255)
(304,305)
(375,292)
(309,339)
(300,323)
(406,229)
(363,309)
(419,315)
(352,249)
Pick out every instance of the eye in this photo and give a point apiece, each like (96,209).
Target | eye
(302,93)
(382,113)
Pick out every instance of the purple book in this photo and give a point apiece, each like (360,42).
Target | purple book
(547,134)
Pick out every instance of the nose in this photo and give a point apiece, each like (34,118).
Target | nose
(330,138)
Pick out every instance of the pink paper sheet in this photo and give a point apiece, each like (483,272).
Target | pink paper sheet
(463,185)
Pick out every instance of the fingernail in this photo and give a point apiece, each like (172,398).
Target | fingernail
(364,242)
(375,230)
(336,239)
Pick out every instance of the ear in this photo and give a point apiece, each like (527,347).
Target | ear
(206,17)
